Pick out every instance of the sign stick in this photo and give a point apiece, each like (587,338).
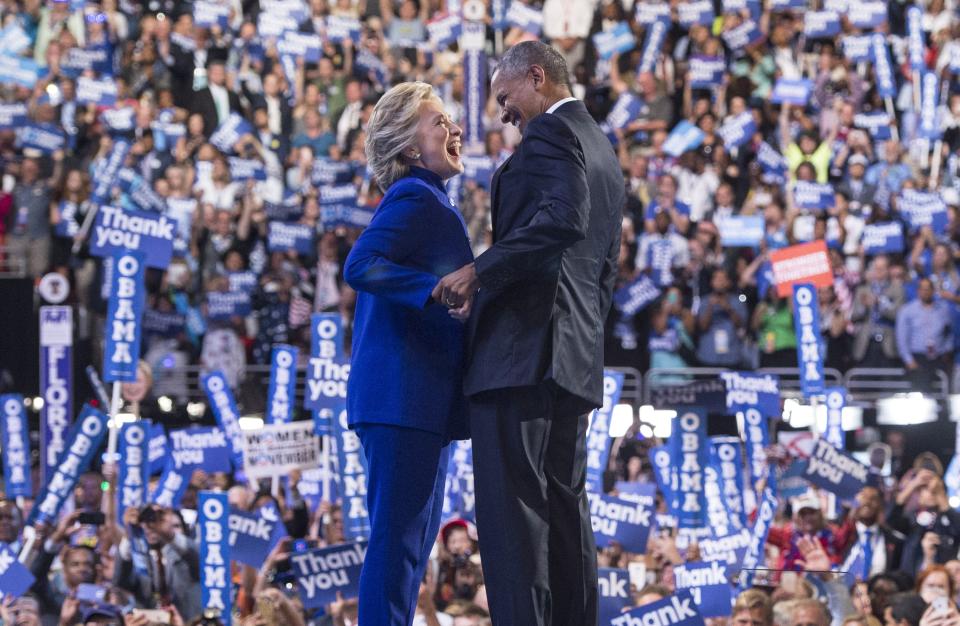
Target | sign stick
(815,428)
(114,426)
(325,462)
(888,102)
(935,166)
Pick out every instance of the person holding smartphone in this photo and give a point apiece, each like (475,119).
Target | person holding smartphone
(933,531)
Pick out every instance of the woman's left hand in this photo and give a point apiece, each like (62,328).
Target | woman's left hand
(462,313)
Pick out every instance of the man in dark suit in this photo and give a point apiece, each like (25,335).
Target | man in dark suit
(867,544)
(215,102)
(535,344)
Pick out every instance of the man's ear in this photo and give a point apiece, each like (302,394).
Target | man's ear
(538,76)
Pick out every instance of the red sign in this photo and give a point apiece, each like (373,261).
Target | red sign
(805,263)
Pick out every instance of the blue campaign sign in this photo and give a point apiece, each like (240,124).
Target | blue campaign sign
(752,391)
(739,130)
(709,586)
(138,192)
(877,124)
(14,40)
(326,171)
(706,72)
(216,582)
(282,237)
(121,349)
(882,66)
(614,587)
(224,408)
(813,196)
(711,394)
(208,13)
(459,494)
(227,135)
(83,441)
(296,44)
(281,393)
(923,208)
(242,170)
(757,436)
(719,519)
(13,115)
(626,521)
(653,45)
(664,472)
(792,91)
(836,471)
(690,454)
(791,483)
(699,12)
(16,447)
(444,31)
(149,234)
(858,48)
(242,281)
(647,13)
(20,71)
(758,539)
(164,324)
(821,24)
(475,96)
(806,320)
(676,610)
(741,231)
(478,169)
(107,171)
(253,536)
(353,479)
(727,458)
(324,572)
(636,295)
(618,39)
(134,471)
(56,384)
(526,18)
(98,58)
(684,136)
(743,35)
(915,49)
(199,447)
(99,92)
(327,372)
(625,110)
(866,15)
(158,448)
(224,305)
(172,485)
(929,127)
(15,578)
(772,162)
(340,28)
(882,238)
(598,436)
(46,138)
(836,398)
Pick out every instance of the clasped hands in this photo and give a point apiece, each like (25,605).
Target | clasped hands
(456,291)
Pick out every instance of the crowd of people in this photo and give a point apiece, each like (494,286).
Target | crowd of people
(180,76)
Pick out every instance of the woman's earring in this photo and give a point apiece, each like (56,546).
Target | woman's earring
(415,156)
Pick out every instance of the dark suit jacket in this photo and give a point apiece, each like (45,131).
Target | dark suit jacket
(547,280)
(203,104)
(862,197)
(408,353)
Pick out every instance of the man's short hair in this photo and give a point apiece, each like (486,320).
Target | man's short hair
(813,605)
(519,58)
(754,599)
(908,606)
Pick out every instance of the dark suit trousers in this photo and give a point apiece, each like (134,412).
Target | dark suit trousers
(407,471)
(536,540)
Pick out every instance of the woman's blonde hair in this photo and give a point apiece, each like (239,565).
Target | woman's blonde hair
(393,128)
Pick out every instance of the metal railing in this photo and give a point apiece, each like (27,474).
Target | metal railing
(864,385)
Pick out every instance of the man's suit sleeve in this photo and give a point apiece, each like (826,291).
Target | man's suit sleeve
(555,169)
(375,262)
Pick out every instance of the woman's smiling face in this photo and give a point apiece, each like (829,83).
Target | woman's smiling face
(438,140)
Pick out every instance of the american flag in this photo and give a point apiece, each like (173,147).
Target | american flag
(300,310)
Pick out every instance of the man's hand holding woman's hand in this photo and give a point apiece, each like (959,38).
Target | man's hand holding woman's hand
(456,291)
